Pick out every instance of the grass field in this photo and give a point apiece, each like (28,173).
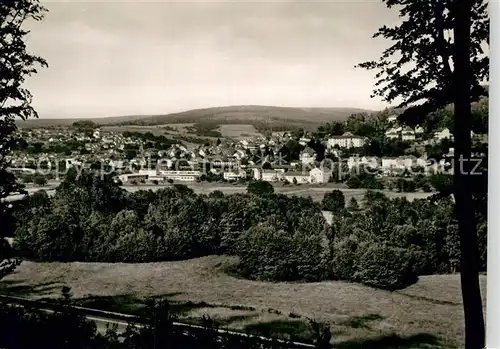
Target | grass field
(236,131)
(306,190)
(425,315)
(314,192)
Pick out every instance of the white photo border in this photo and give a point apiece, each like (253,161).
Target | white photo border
(493,274)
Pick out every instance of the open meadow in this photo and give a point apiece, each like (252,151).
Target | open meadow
(239,131)
(360,317)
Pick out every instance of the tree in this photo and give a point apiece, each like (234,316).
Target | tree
(130,154)
(334,201)
(268,251)
(427,68)
(267,166)
(16,64)
(260,188)
(27,178)
(385,266)
(84,125)
(40,180)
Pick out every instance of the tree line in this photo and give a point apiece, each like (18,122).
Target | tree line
(381,242)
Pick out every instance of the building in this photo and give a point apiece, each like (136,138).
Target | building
(267,175)
(405,134)
(21,171)
(308,156)
(443,134)
(117,164)
(183,176)
(148,173)
(421,162)
(408,134)
(297,177)
(365,161)
(347,140)
(133,177)
(304,141)
(233,176)
(72,162)
(318,175)
(392,118)
(398,164)
(393,133)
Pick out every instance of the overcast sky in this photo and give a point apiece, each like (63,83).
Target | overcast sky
(109,58)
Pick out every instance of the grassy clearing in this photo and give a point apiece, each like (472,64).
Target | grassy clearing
(427,311)
(238,131)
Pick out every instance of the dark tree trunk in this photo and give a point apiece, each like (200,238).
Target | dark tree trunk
(469,261)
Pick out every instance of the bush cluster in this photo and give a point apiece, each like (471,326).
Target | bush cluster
(382,242)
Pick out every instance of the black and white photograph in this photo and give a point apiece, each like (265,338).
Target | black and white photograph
(289,174)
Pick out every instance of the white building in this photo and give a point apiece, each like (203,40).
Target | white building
(304,141)
(131,177)
(318,175)
(271,175)
(308,156)
(72,162)
(392,118)
(148,173)
(365,161)
(299,177)
(233,176)
(267,175)
(398,164)
(443,134)
(347,140)
(408,134)
(184,176)
(23,170)
(421,162)
(118,164)
(240,154)
(393,133)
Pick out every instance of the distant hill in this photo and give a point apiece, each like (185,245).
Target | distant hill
(221,115)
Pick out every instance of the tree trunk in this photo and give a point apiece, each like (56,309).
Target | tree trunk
(469,258)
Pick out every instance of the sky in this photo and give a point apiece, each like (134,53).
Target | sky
(110,58)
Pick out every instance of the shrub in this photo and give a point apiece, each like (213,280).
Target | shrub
(426,187)
(334,201)
(39,180)
(260,188)
(344,258)
(27,178)
(383,266)
(268,252)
